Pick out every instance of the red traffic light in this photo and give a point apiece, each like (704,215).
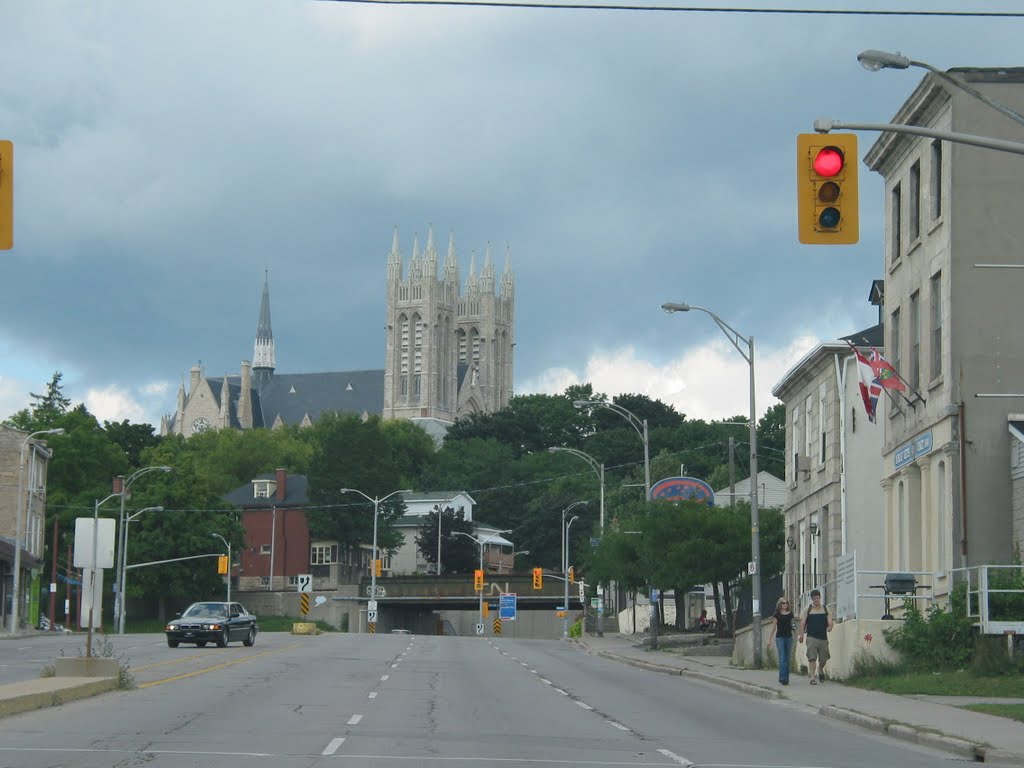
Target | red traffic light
(829,162)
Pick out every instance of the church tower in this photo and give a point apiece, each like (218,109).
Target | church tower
(447,355)
(263,354)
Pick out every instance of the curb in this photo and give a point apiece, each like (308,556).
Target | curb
(52,692)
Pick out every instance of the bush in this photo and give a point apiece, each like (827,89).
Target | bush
(992,658)
(943,640)
(576,629)
(867,665)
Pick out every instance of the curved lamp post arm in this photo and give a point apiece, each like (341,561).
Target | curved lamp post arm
(873,61)
(640,425)
(594,464)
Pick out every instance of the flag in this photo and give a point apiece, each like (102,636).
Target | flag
(884,372)
(870,388)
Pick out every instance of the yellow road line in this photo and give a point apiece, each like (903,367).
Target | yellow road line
(222,665)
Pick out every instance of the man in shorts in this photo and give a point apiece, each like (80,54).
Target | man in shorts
(816,623)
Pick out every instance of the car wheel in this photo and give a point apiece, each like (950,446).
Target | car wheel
(200,643)
(172,643)
(224,638)
(250,638)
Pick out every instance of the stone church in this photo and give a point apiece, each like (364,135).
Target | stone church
(447,353)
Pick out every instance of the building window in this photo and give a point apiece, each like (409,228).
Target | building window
(894,341)
(896,233)
(323,554)
(936,180)
(936,325)
(808,429)
(264,581)
(914,370)
(261,489)
(914,203)
(822,394)
(264,549)
(796,442)
(293,581)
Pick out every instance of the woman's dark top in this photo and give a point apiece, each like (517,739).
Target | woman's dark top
(783,624)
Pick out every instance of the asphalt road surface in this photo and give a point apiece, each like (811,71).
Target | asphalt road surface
(362,701)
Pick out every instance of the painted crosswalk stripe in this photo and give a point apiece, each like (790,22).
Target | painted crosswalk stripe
(333,746)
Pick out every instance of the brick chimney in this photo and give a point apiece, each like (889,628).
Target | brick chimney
(282,484)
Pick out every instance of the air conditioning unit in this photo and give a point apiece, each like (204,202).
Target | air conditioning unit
(803,463)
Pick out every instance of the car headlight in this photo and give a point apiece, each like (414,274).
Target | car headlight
(211,626)
(171,628)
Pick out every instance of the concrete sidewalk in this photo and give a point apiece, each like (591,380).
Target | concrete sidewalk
(933,721)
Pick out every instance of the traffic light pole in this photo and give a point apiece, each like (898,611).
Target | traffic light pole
(825,125)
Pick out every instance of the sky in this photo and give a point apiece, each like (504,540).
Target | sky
(169,155)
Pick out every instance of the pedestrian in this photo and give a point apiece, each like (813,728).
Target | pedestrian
(816,623)
(782,631)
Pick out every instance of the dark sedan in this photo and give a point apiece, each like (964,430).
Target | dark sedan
(218,623)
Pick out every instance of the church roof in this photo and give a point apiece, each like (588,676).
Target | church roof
(294,395)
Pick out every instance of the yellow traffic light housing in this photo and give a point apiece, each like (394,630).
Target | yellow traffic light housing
(826,188)
(6,195)
(538,578)
(572,575)
(485,608)
(222,564)
(478,580)
(378,566)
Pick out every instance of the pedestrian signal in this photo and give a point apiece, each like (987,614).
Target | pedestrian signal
(485,607)
(478,580)
(572,574)
(826,188)
(222,564)
(538,578)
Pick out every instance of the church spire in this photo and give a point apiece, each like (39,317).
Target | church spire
(395,259)
(263,356)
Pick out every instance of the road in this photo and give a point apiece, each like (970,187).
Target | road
(404,700)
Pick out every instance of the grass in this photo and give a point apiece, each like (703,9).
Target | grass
(961,683)
(1011,711)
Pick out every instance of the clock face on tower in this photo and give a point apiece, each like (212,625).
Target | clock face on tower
(200,425)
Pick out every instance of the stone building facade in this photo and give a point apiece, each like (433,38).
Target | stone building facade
(952,234)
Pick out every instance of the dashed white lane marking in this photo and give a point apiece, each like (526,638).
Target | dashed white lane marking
(331,748)
(564,693)
(620,726)
(394,666)
(533,671)
(354,720)
(673,756)
(385,677)
(585,706)
(373,694)
(545,681)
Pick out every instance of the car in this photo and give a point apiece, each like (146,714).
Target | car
(212,622)
(400,632)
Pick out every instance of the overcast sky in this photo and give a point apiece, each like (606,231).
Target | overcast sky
(167,154)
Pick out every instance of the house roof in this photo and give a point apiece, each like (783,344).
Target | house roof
(296,494)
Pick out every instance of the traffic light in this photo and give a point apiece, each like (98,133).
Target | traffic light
(222,564)
(486,608)
(538,578)
(378,566)
(7,196)
(478,580)
(826,188)
(572,574)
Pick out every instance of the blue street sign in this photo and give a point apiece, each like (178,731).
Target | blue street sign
(507,606)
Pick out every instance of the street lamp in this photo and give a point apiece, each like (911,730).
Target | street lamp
(228,545)
(125,485)
(440,513)
(122,602)
(481,542)
(641,428)
(745,346)
(376,507)
(597,466)
(873,61)
(16,600)
(565,571)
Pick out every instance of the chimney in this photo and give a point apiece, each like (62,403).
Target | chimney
(118,484)
(282,484)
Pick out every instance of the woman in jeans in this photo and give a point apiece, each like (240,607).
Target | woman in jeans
(782,631)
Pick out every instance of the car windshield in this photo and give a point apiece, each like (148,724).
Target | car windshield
(205,611)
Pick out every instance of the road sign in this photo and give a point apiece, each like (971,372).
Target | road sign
(479,629)
(507,603)
(371,605)
(497,626)
(304,582)
(371,616)
(304,603)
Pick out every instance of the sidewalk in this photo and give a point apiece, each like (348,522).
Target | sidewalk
(931,721)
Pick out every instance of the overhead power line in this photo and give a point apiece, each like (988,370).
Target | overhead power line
(692,8)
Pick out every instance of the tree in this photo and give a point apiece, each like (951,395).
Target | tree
(458,553)
(133,439)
